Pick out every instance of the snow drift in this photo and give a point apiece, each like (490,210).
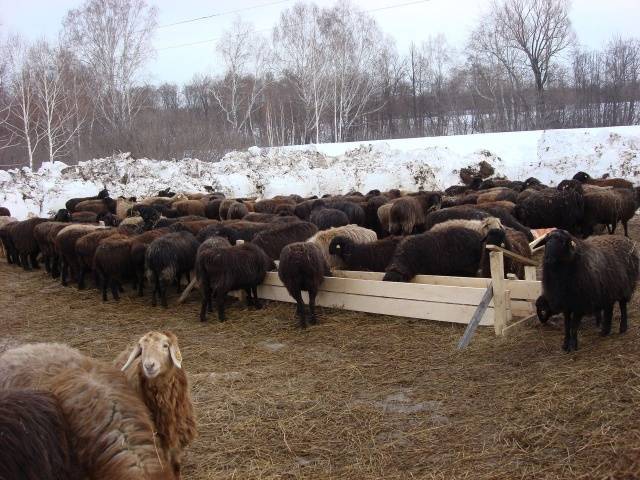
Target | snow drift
(428,163)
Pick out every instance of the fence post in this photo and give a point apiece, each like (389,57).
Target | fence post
(499,295)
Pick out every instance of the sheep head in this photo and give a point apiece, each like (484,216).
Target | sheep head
(560,247)
(158,352)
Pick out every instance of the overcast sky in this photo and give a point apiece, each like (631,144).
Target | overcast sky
(595,22)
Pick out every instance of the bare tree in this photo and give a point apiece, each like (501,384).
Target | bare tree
(355,42)
(537,31)
(50,74)
(244,55)
(23,121)
(303,58)
(113,38)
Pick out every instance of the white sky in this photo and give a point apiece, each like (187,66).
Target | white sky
(595,22)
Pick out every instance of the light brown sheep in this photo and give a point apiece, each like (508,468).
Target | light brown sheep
(154,370)
(110,427)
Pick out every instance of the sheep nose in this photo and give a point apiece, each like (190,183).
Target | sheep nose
(149,366)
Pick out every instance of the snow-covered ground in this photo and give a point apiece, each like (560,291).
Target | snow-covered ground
(429,163)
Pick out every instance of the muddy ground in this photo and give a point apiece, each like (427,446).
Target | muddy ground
(363,396)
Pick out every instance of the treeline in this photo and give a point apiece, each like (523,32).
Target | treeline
(322,75)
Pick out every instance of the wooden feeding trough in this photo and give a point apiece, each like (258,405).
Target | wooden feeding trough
(428,297)
(496,301)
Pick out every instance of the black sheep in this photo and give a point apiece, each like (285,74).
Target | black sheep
(36,443)
(511,240)
(371,219)
(9,248)
(221,270)
(212,209)
(355,213)
(325,218)
(167,259)
(71,204)
(373,256)
(4,212)
(233,232)
(303,268)
(549,207)
(544,311)
(273,240)
(455,251)
(583,276)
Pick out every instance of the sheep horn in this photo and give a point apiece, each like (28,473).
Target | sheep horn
(134,354)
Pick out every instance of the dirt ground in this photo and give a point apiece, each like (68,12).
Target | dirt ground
(363,396)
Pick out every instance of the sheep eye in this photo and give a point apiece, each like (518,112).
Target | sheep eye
(166,346)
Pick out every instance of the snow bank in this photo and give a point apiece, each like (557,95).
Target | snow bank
(429,163)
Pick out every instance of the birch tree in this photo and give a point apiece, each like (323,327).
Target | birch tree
(244,55)
(113,38)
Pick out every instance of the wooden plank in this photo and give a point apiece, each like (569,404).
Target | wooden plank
(521,308)
(446,312)
(430,279)
(537,249)
(538,240)
(511,255)
(477,316)
(523,289)
(408,291)
(530,273)
(496,260)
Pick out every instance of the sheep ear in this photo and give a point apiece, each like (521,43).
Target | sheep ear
(176,356)
(573,244)
(135,353)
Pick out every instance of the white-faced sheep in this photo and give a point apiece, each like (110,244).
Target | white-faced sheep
(583,276)
(110,427)
(302,268)
(455,251)
(354,232)
(154,370)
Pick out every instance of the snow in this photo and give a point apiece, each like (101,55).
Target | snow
(429,163)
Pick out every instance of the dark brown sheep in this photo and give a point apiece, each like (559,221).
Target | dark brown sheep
(65,245)
(303,268)
(583,276)
(36,443)
(455,251)
(189,207)
(4,212)
(24,242)
(408,214)
(508,239)
(273,240)
(86,247)
(583,177)
(71,204)
(237,211)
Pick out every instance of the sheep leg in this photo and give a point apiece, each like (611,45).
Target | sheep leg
(598,315)
(140,277)
(105,281)
(55,267)
(300,309)
(256,300)
(606,324)
(47,263)
(115,287)
(312,306)
(156,283)
(220,304)
(249,298)
(611,228)
(623,316)
(24,261)
(64,272)
(567,331)
(163,294)
(206,301)
(34,260)
(626,230)
(575,325)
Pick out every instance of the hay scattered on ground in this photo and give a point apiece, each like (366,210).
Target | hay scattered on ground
(363,396)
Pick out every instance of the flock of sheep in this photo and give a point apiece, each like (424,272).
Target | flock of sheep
(231,244)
